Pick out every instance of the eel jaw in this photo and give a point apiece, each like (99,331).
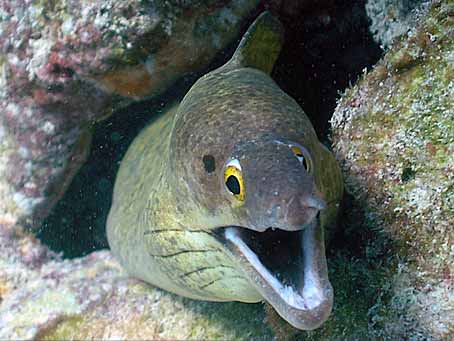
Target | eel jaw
(305,301)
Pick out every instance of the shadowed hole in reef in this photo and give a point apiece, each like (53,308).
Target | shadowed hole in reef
(76,226)
(324,51)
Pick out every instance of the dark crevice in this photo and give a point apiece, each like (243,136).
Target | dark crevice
(326,48)
(323,55)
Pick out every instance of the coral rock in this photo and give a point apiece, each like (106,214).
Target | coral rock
(45,297)
(67,64)
(393,18)
(394,134)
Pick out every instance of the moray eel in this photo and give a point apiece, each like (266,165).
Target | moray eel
(226,197)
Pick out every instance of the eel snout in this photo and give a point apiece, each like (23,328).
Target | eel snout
(288,269)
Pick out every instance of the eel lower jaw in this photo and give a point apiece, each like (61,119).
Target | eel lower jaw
(288,269)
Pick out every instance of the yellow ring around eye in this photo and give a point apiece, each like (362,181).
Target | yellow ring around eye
(296,151)
(235,185)
(304,160)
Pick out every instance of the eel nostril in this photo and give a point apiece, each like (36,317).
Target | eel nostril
(313,202)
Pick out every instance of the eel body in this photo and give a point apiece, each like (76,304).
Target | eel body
(227,195)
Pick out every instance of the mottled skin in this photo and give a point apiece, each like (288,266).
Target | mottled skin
(167,206)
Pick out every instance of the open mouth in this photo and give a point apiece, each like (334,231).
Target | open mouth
(287,268)
(277,250)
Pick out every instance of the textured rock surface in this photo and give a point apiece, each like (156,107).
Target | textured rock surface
(326,47)
(392,18)
(394,133)
(391,268)
(44,297)
(66,64)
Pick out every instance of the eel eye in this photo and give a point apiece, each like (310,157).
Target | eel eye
(233,179)
(301,158)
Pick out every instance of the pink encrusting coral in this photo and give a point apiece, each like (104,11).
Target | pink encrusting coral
(66,64)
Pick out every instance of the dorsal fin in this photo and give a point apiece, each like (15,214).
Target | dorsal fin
(260,45)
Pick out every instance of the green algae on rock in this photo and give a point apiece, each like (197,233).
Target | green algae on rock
(394,134)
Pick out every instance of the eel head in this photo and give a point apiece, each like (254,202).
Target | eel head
(278,243)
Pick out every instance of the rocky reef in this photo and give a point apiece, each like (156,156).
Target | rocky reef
(393,18)
(44,297)
(67,64)
(393,133)
(391,264)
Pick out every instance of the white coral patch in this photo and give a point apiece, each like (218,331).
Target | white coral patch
(68,26)
(25,203)
(41,49)
(421,198)
(3,79)
(48,127)
(23,152)
(13,109)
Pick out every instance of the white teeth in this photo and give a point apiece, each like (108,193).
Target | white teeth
(308,305)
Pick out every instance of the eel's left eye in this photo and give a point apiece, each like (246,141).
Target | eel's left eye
(305,161)
(233,179)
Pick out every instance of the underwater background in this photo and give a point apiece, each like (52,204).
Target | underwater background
(376,79)
(321,57)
